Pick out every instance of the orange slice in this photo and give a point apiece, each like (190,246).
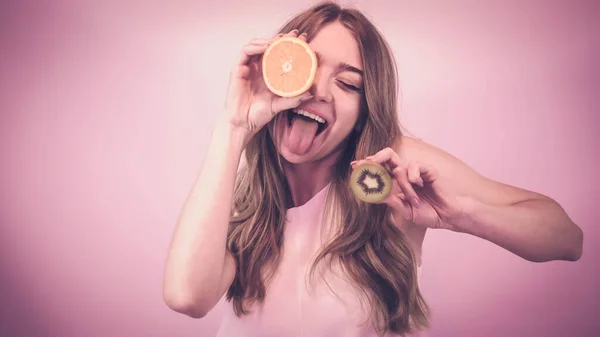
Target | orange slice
(289,66)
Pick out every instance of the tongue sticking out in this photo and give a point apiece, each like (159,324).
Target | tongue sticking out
(301,134)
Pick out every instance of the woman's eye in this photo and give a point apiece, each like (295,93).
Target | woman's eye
(349,86)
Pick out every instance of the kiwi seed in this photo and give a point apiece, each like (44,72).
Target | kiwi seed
(370,182)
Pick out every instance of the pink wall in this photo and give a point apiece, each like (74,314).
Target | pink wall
(106,110)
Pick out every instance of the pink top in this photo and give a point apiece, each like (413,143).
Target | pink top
(290,308)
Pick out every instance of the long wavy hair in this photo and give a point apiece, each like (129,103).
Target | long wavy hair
(369,247)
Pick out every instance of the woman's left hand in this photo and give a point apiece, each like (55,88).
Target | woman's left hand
(417,193)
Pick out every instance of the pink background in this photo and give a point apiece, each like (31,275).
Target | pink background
(106,109)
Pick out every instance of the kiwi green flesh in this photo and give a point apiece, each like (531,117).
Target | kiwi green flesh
(370,182)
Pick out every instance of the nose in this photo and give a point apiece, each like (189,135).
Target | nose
(320,88)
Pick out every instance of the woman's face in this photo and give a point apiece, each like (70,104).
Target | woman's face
(336,91)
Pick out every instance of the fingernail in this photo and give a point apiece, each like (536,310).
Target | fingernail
(416,181)
(369,158)
(304,34)
(415,201)
(295,31)
(305,98)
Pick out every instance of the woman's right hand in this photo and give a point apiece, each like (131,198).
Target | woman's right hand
(250,105)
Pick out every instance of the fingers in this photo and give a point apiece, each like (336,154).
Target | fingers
(260,41)
(406,174)
(428,174)
(258,46)
(414,174)
(400,173)
(250,50)
(283,103)
(293,32)
(386,156)
(403,176)
(417,173)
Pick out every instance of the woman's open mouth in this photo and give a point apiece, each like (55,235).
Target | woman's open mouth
(307,116)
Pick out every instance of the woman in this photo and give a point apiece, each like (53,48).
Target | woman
(285,240)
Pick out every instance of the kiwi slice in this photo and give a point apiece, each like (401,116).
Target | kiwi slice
(370,182)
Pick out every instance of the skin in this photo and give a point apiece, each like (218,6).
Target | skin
(432,189)
(334,98)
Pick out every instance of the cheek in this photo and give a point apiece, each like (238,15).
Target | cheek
(347,113)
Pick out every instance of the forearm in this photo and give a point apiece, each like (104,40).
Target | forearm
(198,247)
(537,230)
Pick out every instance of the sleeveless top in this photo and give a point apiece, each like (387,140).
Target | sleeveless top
(293,309)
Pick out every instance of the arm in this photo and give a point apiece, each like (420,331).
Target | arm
(199,269)
(529,224)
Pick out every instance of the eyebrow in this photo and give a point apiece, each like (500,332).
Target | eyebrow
(342,65)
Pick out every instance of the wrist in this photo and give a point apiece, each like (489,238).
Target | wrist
(228,131)
(472,216)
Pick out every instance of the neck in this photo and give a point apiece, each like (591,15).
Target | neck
(307,179)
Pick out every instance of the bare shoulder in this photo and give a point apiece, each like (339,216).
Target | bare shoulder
(405,145)
(458,176)
(447,166)
(416,150)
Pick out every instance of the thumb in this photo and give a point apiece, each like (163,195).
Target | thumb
(283,103)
